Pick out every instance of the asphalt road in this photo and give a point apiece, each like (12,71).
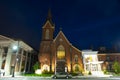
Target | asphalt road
(42,78)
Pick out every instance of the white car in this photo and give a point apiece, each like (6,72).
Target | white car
(62,75)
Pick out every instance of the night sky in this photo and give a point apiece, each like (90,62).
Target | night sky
(85,23)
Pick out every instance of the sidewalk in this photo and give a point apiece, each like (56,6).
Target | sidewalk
(91,76)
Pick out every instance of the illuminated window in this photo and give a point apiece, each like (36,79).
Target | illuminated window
(61,52)
(47,34)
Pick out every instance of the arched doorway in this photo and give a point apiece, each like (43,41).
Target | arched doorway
(60,64)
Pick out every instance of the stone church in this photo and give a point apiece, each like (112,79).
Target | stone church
(58,54)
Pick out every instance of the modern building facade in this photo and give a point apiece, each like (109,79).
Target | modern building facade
(58,54)
(15,56)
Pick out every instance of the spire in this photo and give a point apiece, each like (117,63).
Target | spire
(49,16)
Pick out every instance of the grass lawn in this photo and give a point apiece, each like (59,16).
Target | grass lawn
(39,75)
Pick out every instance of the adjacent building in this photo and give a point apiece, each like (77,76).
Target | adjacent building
(109,59)
(15,56)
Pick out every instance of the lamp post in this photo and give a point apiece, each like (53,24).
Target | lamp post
(15,48)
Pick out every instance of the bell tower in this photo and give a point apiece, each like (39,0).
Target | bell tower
(45,53)
(48,28)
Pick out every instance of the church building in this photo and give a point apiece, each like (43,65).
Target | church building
(58,54)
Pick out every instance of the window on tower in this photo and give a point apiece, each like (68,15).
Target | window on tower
(47,34)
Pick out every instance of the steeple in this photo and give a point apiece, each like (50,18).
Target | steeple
(49,16)
(48,28)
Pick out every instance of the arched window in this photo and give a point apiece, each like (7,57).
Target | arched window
(60,52)
(47,34)
(76,58)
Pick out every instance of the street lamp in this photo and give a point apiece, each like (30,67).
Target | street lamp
(16,49)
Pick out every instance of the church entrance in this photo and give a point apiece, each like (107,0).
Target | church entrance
(60,62)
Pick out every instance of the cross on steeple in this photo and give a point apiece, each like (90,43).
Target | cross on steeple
(60,28)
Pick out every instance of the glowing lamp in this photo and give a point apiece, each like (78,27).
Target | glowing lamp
(38,71)
(15,47)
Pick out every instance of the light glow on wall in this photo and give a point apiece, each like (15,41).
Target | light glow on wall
(45,68)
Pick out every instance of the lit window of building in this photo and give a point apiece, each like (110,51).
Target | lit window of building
(61,52)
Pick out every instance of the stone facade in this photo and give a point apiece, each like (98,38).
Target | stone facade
(12,60)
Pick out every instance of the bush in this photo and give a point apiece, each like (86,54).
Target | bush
(89,73)
(116,67)
(105,72)
(74,74)
(36,66)
(45,72)
(39,75)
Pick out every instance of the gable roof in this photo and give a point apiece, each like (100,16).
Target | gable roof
(61,33)
(48,22)
(76,48)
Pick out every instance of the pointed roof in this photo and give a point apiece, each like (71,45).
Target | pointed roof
(49,17)
(61,33)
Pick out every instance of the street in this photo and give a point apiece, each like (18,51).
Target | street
(47,78)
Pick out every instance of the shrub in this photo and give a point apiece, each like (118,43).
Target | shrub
(116,67)
(89,73)
(36,66)
(74,74)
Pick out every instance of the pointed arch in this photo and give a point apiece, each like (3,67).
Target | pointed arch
(60,52)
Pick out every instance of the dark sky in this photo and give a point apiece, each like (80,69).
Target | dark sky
(84,22)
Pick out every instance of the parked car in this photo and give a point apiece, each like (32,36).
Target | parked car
(62,75)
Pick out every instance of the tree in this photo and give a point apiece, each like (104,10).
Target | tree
(36,66)
(116,67)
